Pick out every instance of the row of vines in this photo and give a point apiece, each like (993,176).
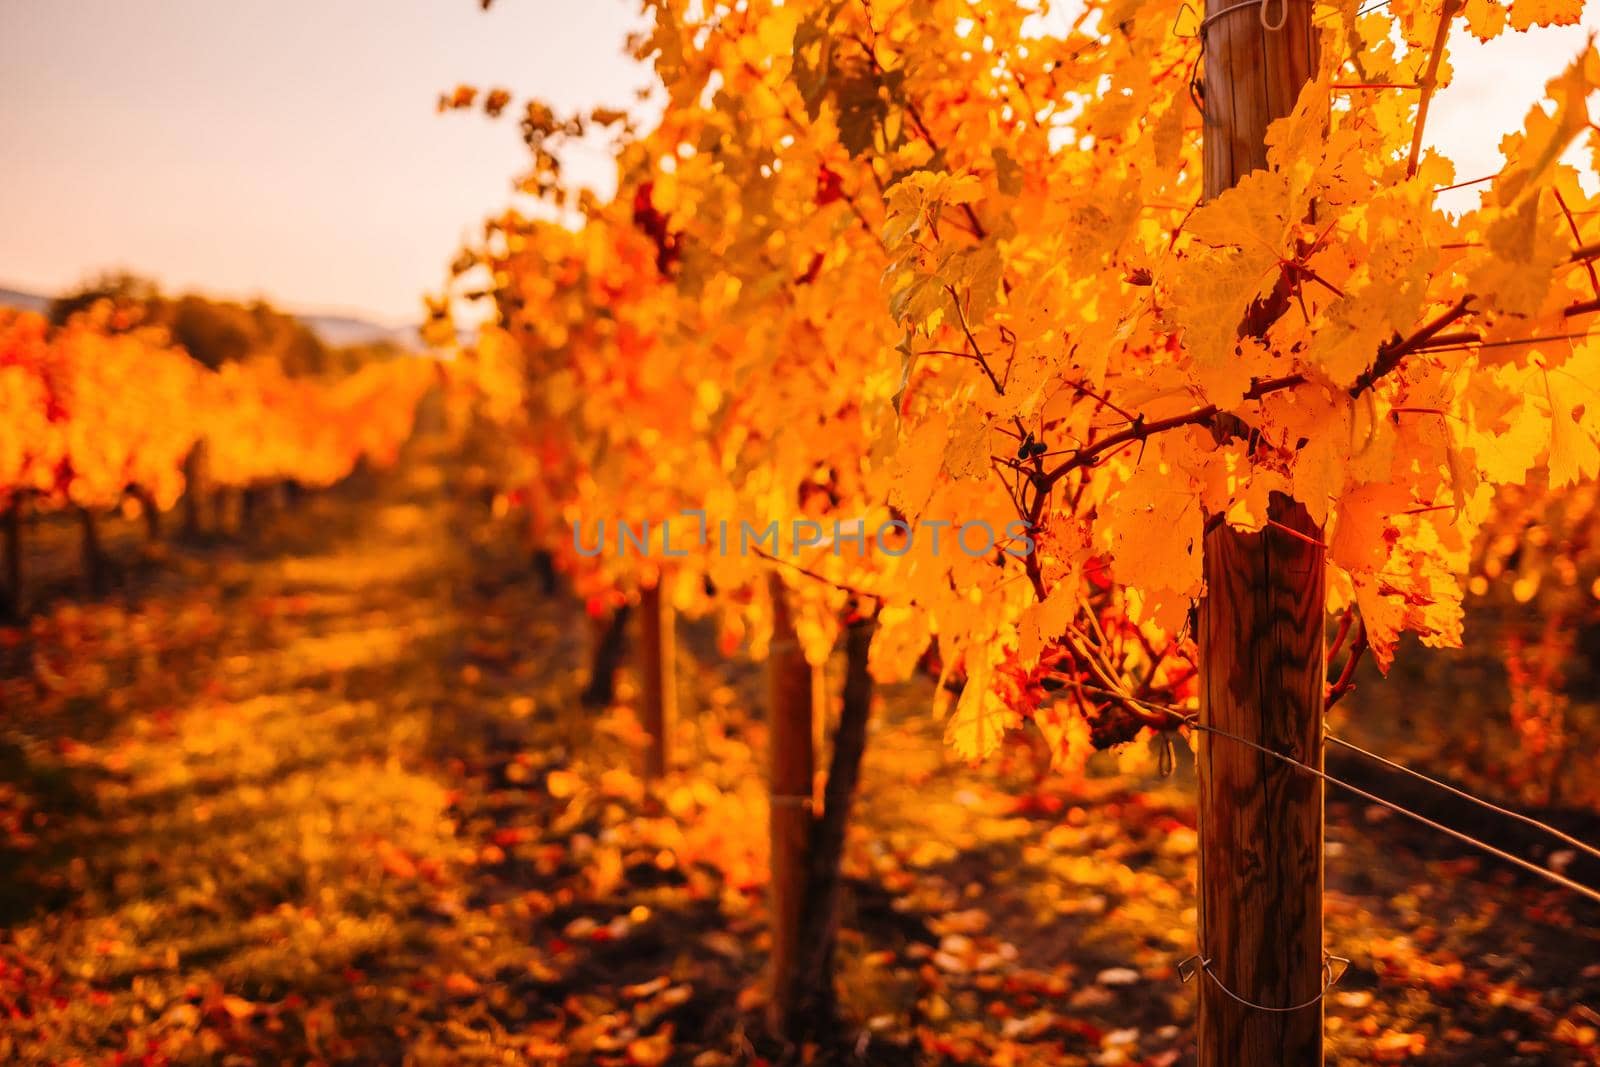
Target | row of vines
(98,414)
(992,344)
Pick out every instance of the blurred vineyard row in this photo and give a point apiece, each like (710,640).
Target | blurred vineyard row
(104,412)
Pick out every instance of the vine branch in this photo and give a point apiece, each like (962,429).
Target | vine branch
(1429,82)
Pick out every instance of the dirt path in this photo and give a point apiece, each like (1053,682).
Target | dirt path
(330,798)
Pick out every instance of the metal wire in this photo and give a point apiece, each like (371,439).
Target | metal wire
(1196,89)
(1186,969)
(1365,10)
(1189,8)
(1526,820)
(1261,14)
(1329,980)
(1512,342)
(1499,853)
(1177,21)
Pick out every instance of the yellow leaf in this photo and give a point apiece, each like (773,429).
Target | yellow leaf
(1364,518)
(651,1051)
(981,718)
(563,784)
(1547,136)
(901,640)
(1233,488)
(1240,238)
(459,984)
(1042,622)
(966,189)
(918,462)
(776,30)
(1573,452)
(1154,523)
(1486,18)
(1528,13)
(966,453)
(238,1007)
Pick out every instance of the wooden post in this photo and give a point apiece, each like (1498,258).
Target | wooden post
(820,922)
(11,548)
(150,510)
(94,571)
(194,490)
(791,759)
(1262,678)
(217,496)
(1261,649)
(610,641)
(821,707)
(230,519)
(251,498)
(658,665)
(544,568)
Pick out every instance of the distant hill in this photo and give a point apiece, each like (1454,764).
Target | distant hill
(336,331)
(16,298)
(339,331)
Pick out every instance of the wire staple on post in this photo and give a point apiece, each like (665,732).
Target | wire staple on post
(1330,978)
(1261,13)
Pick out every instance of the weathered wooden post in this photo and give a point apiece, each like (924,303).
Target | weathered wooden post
(1261,649)
(11,597)
(94,567)
(820,918)
(610,642)
(658,665)
(149,510)
(195,486)
(789,704)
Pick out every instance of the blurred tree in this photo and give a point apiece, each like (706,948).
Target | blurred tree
(216,332)
(123,288)
(347,359)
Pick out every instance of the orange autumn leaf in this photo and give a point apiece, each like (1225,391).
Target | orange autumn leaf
(651,1051)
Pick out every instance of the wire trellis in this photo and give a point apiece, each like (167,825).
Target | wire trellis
(1199,962)
(1546,873)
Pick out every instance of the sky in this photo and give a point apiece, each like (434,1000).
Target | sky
(291,149)
(1495,85)
(287,148)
